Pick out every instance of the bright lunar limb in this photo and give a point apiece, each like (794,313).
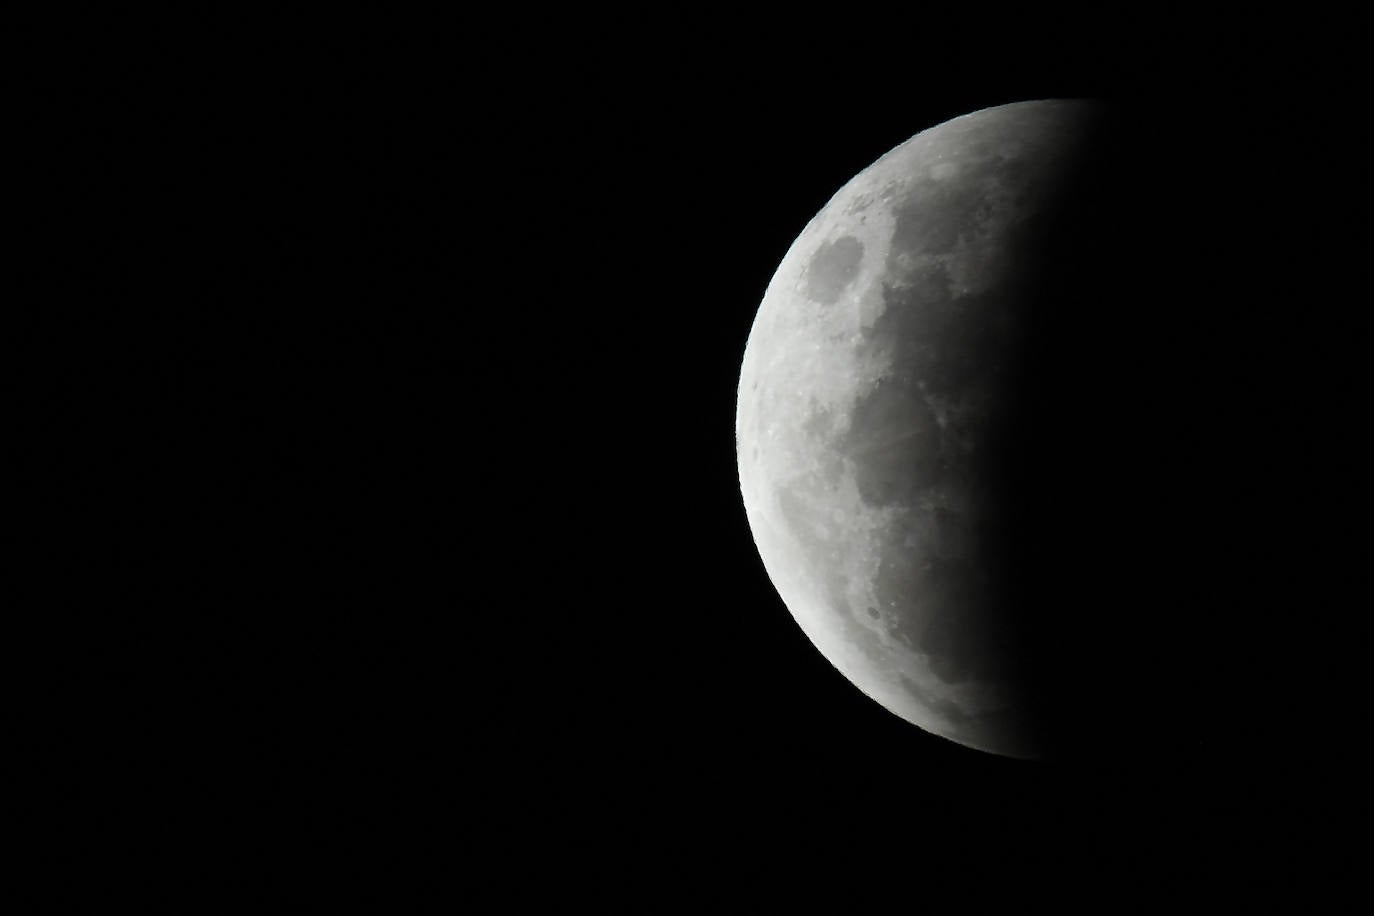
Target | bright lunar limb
(872,404)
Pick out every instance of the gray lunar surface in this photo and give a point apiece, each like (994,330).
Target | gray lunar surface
(871,396)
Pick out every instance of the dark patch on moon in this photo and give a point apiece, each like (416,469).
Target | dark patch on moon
(894,439)
(934,215)
(954,343)
(833,267)
(913,291)
(942,612)
(970,351)
(952,631)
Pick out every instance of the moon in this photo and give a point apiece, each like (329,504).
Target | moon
(876,401)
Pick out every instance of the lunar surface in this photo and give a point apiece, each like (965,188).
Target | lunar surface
(875,394)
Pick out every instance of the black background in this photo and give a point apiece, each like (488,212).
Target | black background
(397,388)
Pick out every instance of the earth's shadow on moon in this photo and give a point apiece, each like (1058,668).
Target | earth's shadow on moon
(1116,507)
(1132,554)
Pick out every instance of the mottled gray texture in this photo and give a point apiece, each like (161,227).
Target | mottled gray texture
(870,400)
(833,267)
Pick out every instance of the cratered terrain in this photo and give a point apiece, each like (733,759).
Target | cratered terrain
(882,404)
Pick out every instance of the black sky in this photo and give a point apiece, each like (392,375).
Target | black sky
(420,459)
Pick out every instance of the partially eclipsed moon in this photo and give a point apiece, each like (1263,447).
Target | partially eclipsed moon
(872,395)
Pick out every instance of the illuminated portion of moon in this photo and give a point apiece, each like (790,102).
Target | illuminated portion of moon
(871,397)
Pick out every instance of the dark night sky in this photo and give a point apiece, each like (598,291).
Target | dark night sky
(424,403)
